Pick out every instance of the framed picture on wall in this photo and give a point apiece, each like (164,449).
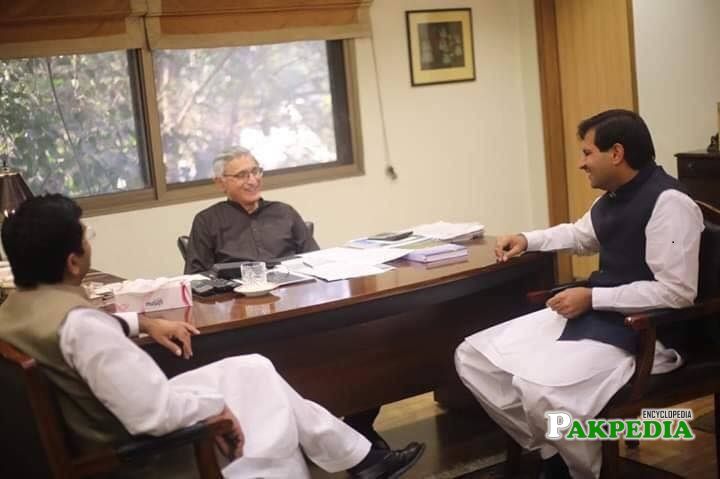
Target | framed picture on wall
(440,43)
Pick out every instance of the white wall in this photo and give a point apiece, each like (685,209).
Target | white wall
(677,49)
(468,151)
(533,119)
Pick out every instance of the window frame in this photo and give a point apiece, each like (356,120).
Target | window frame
(343,80)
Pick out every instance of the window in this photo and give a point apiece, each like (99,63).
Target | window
(123,104)
(91,127)
(69,123)
(276,100)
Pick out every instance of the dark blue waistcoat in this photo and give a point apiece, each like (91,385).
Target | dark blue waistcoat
(619,220)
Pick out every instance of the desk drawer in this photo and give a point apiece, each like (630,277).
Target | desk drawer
(703,189)
(698,167)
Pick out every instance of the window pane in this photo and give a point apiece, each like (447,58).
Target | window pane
(67,123)
(273,99)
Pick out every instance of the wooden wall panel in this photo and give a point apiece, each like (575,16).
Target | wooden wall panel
(596,58)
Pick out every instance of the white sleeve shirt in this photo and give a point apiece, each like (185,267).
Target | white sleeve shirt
(672,251)
(126,379)
(578,237)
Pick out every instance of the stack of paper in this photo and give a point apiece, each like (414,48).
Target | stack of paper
(441,252)
(343,263)
(336,271)
(450,231)
(352,256)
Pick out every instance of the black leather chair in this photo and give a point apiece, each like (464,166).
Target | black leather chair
(698,329)
(182,241)
(182,244)
(697,326)
(34,439)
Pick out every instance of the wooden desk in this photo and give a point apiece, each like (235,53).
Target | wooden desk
(350,345)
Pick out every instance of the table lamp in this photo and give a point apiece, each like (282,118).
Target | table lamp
(13,189)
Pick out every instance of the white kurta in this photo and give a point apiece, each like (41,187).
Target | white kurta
(518,370)
(276,421)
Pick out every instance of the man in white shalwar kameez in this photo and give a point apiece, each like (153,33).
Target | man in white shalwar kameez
(575,354)
(109,389)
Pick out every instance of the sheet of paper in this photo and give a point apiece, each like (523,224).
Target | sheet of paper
(343,263)
(337,271)
(344,255)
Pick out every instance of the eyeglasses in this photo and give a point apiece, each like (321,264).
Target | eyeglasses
(243,175)
(90,233)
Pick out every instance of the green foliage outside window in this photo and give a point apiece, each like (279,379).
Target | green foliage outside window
(67,123)
(273,99)
(73,125)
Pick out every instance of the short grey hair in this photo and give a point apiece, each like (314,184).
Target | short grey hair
(227,156)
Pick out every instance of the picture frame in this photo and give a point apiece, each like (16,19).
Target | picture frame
(440,46)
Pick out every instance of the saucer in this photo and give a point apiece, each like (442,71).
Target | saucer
(255,290)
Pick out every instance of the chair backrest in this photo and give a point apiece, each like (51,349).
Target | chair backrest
(182,244)
(708,335)
(33,444)
(709,277)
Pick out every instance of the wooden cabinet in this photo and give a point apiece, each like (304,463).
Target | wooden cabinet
(699,172)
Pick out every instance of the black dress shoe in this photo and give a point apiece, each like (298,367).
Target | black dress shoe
(394,464)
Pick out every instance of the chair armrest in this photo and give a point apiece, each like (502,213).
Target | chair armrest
(658,317)
(646,324)
(541,297)
(107,459)
(144,445)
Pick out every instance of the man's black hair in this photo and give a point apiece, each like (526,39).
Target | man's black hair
(40,236)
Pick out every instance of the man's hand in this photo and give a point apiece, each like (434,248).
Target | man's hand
(231,443)
(572,302)
(509,246)
(164,332)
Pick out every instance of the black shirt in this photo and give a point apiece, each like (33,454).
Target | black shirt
(227,232)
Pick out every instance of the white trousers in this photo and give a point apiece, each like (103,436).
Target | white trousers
(518,406)
(277,422)
(518,370)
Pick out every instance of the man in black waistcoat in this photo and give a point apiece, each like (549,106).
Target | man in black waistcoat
(576,354)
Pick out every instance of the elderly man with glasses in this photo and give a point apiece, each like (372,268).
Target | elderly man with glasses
(245,226)
(248,227)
